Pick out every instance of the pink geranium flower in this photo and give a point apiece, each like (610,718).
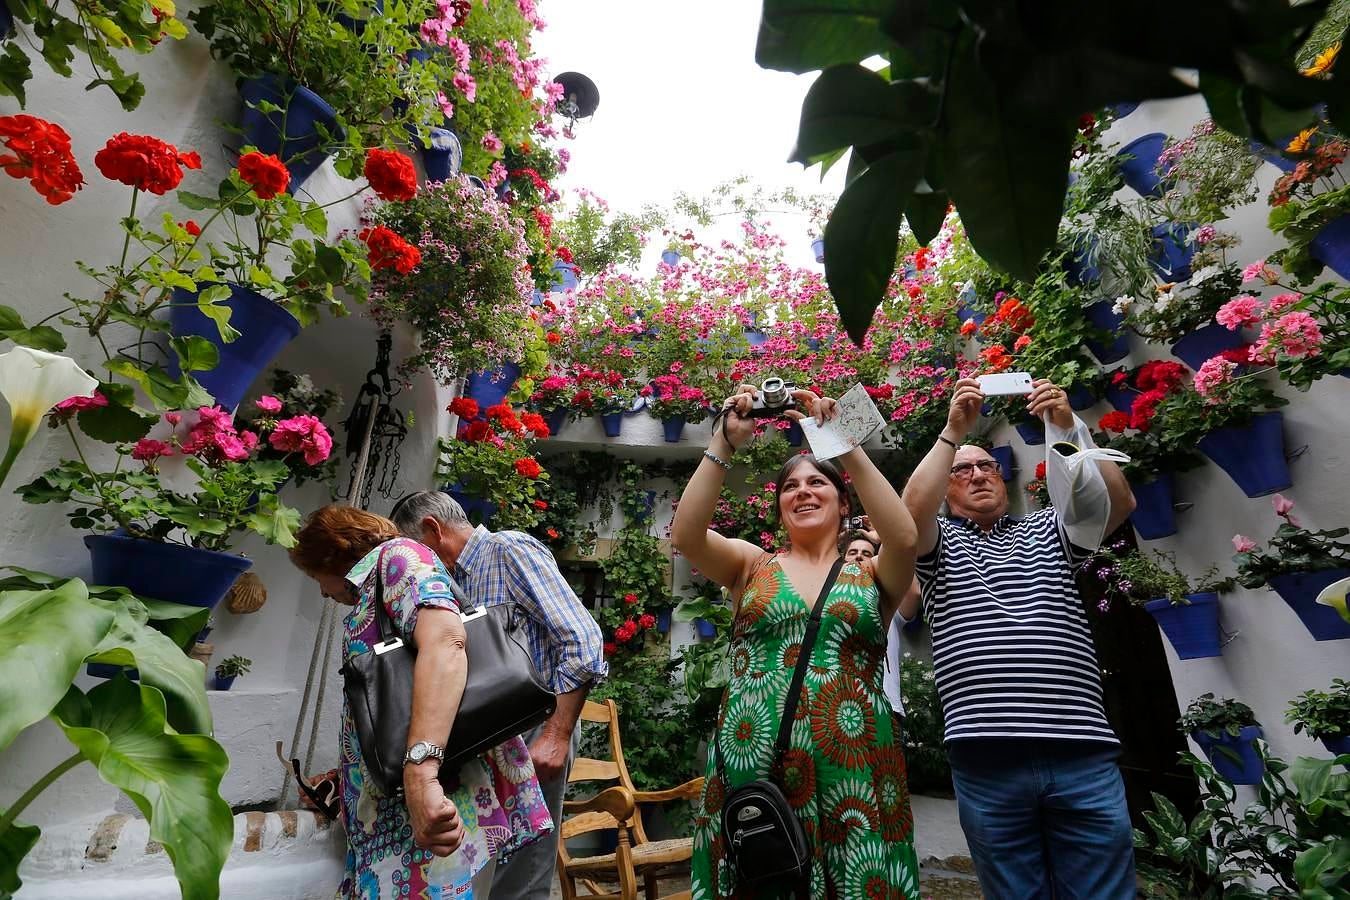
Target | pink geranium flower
(303,434)
(268,404)
(149,450)
(77,404)
(1282,504)
(1215,373)
(1243,543)
(1240,311)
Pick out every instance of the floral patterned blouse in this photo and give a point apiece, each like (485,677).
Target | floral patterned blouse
(497,794)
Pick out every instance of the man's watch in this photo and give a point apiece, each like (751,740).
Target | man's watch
(422,751)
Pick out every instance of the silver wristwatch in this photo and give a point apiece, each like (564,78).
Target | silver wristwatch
(422,751)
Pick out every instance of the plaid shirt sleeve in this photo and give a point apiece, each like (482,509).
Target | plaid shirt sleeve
(539,587)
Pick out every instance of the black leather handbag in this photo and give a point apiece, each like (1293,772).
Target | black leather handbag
(763,838)
(504,695)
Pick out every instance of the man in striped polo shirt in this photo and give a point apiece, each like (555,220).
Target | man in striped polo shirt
(1033,758)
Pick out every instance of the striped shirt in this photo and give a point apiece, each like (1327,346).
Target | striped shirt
(511,567)
(1012,651)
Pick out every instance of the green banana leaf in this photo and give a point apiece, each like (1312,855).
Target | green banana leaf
(15,842)
(174,779)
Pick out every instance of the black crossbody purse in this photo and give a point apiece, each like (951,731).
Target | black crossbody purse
(764,840)
(504,695)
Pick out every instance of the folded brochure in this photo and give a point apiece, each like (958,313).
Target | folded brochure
(857,421)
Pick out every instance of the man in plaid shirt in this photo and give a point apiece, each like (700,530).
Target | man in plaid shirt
(564,640)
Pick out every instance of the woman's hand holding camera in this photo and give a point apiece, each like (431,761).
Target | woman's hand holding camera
(738,425)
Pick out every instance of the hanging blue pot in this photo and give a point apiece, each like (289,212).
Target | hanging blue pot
(555,419)
(1300,591)
(1121,110)
(1172,251)
(1191,629)
(6,22)
(1032,433)
(1077,264)
(442,160)
(1339,746)
(613,423)
(1273,156)
(264,328)
(663,620)
(1004,455)
(1211,340)
(1141,171)
(162,571)
(1080,398)
(965,307)
(479,511)
(357,26)
(1235,758)
(1251,454)
(645,507)
(302,132)
(1332,246)
(1102,316)
(1154,513)
(706,630)
(491,388)
(754,337)
(670,257)
(1121,397)
(794,434)
(224,684)
(818,249)
(564,276)
(673,426)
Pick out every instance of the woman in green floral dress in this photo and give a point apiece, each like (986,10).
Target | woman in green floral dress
(843,772)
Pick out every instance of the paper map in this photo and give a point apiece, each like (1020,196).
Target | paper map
(858,419)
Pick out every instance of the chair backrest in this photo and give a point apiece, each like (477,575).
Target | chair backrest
(605,772)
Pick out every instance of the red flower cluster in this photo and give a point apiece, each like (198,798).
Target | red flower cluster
(265,173)
(391,174)
(476,431)
(626,632)
(389,251)
(885,392)
(1015,314)
(528,467)
(996,357)
(564,254)
(540,505)
(40,152)
(647,620)
(1115,422)
(144,162)
(1162,375)
(192,228)
(630,599)
(535,424)
(1040,470)
(464,407)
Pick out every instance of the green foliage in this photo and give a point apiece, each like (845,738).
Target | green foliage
(482,469)
(1216,717)
(1293,550)
(1294,835)
(598,240)
(149,740)
(1299,222)
(1323,714)
(1130,575)
(233,667)
(98,30)
(638,566)
(925,758)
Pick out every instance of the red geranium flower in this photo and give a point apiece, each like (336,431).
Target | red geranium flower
(40,153)
(553,337)
(564,254)
(647,620)
(630,598)
(477,431)
(464,407)
(968,327)
(1145,407)
(192,228)
(265,173)
(535,424)
(996,357)
(1114,421)
(391,174)
(303,434)
(540,504)
(389,251)
(1040,470)
(552,533)
(528,467)
(144,162)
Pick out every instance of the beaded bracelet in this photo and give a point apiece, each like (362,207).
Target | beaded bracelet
(717,459)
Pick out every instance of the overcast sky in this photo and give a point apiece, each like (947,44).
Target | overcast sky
(683,105)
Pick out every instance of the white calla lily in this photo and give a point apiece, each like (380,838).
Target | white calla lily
(1334,594)
(33,381)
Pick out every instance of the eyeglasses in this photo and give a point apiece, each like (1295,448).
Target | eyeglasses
(967,470)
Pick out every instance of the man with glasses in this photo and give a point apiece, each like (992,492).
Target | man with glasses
(564,640)
(1033,757)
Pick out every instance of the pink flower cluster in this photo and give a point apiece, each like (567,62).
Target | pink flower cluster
(1288,335)
(215,440)
(1214,374)
(305,435)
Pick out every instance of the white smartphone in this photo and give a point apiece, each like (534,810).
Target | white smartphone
(1002,384)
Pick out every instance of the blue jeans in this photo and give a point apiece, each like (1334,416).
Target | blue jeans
(1044,818)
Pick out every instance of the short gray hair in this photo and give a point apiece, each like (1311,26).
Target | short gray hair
(409,512)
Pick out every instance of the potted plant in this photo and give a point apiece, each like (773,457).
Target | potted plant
(1309,210)
(1305,335)
(1037,490)
(552,398)
(1153,461)
(1210,172)
(1324,715)
(607,394)
(230,669)
(171,544)
(1227,732)
(292,394)
(454,268)
(1182,312)
(490,468)
(676,403)
(1187,610)
(1232,418)
(1298,563)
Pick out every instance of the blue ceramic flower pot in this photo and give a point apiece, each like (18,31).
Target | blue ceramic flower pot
(1141,170)
(1192,630)
(818,249)
(673,428)
(1172,251)
(564,276)
(1332,246)
(706,630)
(1122,110)
(170,572)
(224,684)
(1080,397)
(794,435)
(1337,745)
(1235,758)
(1300,591)
(1032,433)
(300,132)
(1078,266)
(1122,398)
(479,511)
(1102,316)
(670,257)
(6,22)
(264,328)
(442,160)
(965,308)
(491,388)
(1154,514)
(663,621)
(1251,454)
(555,419)
(358,26)
(1211,340)
(613,423)
(643,513)
(1004,455)
(755,337)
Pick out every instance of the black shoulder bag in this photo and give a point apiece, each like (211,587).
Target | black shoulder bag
(762,836)
(504,695)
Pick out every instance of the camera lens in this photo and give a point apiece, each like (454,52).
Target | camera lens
(773,391)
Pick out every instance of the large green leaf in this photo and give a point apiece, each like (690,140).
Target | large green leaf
(925,212)
(849,105)
(174,779)
(862,236)
(47,635)
(15,842)
(798,36)
(1006,166)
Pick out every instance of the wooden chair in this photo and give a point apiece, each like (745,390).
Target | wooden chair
(635,858)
